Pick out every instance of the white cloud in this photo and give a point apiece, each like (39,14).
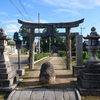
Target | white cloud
(11,28)
(34,0)
(8,21)
(95,2)
(10,25)
(66,10)
(41,20)
(84,4)
(3,13)
(17,15)
(28,5)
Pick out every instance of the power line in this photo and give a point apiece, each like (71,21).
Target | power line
(25,9)
(18,9)
(93,23)
(89,25)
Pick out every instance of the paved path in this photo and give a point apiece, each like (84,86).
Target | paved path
(61,90)
(45,94)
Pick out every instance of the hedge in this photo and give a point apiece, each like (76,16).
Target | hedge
(41,55)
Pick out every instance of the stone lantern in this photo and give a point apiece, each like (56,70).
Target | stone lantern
(20,71)
(8,76)
(88,80)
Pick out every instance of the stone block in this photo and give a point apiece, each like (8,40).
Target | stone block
(89,84)
(5,70)
(76,70)
(7,75)
(47,75)
(5,65)
(20,72)
(8,82)
(90,76)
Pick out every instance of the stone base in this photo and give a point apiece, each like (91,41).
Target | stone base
(76,70)
(84,91)
(11,87)
(20,72)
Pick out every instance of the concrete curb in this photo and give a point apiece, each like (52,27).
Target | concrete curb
(40,59)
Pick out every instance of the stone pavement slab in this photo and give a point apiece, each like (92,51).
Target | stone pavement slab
(45,94)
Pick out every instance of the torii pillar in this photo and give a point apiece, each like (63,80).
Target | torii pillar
(68,49)
(31,52)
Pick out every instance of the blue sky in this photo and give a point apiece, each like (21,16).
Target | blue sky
(50,11)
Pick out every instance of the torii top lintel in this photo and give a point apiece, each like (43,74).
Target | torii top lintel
(56,25)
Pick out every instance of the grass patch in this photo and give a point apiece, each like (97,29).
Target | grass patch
(90,97)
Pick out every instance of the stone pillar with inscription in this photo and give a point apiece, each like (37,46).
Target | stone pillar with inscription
(79,55)
(8,76)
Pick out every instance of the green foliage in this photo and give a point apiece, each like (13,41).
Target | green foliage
(26,39)
(58,42)
(16,36)
(84,61)
(23,50)
(41,55)
(85,55)
(98,54)
(73,43)
(62,53)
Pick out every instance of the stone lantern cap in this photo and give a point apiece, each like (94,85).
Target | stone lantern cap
(93,34)
(3,35)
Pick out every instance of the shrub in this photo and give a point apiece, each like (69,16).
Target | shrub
(98,54)
(23,50)
(84,61)
(39,56)
(62,53)
(85,55)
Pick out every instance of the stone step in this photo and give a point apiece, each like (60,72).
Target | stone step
(91,70)
(90,76)
(7,75)
(8,82)
(88,84)
(6,70)
(5,65)
(45,94)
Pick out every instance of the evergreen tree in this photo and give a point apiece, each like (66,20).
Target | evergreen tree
(16,36)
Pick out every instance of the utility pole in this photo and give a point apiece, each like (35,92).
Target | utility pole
(39,31)
(82,29)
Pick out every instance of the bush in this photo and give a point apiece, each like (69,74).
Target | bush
(62,53)
(23,50)
(39,56)
(84,61)
(98,54)
(85,55)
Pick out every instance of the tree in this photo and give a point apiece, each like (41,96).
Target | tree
(73,45)
(55,42)
(24,32)
(16,36)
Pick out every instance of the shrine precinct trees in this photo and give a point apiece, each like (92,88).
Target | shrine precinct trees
(53,42)
(16,36)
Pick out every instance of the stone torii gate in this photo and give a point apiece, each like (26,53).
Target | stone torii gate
(50,33)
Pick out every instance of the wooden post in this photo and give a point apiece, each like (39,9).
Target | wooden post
(31,50)
(68,49)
